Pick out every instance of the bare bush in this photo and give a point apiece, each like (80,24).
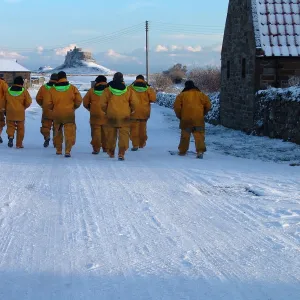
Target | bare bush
(294,81)
(161,82)
(176,73)
(207,79)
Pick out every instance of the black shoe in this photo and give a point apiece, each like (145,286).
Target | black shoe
(10,143)
(95,152)
(46,143)
(1,141)
(134,149)
(121,158)
(67,155)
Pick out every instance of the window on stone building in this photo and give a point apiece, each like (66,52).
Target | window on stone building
(228,69)
(1,75)
(244,68)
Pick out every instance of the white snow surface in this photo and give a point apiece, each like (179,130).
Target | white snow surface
(10,65)
(152,227)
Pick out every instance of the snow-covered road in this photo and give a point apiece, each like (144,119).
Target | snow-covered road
(153,227)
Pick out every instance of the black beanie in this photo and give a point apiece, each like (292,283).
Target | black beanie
(61,75)
(19,80)
(141,77)
(189,84)
(54,77)
(118,77)
(101,78)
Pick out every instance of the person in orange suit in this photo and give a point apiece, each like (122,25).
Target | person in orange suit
(138,128)
(47,117)
(16,101)
(92,101)
(190,107)
(118,104)
(3,90)
(64,98)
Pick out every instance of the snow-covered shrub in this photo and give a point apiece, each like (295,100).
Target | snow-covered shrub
(213,116)
(294,81)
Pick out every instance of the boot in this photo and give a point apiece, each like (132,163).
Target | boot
(111,153)
(134,149)
(68,155)
(1,141)
(121,155)
(46,143)
(199,155)
(10,142)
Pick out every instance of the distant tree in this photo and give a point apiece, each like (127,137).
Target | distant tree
(176,73)
(160,82)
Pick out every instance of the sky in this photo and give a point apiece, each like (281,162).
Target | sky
(39,33)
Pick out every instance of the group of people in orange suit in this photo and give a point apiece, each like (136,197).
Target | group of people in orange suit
(117,113)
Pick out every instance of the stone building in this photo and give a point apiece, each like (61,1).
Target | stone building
(261,48)
(9,69)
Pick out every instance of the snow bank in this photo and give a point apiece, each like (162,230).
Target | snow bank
(291,94)
(277,114)
(213,117)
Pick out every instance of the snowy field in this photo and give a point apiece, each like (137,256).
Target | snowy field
(154,226)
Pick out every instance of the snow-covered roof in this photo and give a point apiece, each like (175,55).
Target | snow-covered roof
(277,26)
(10,65)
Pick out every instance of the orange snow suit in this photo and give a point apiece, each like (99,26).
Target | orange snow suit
(190,107)
(3,89)
(47,117)
(138,127)
(92,101)
(16,101)
(118,104)
(64,99)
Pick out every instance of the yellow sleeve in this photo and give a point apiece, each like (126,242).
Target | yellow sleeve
(133,100)
(87,100)
(206,104)
(152,94)
(178,106)
(40,96)
(28,100)
(105,98)
(78,98)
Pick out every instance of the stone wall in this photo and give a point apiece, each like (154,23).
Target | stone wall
(278,114)
(276,71)
(9,76)
(238,67)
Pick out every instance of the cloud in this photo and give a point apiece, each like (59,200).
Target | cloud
(64,51)
(11,55)
(40,49)
(193,49)
(112,54)
(161,48)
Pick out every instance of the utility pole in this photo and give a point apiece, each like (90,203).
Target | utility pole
(147,51)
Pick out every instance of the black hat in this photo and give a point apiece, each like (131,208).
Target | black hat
(141,77)
(189,84)
(61,75)
(54,77)
(19,80)
(118,77)
(101,78)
